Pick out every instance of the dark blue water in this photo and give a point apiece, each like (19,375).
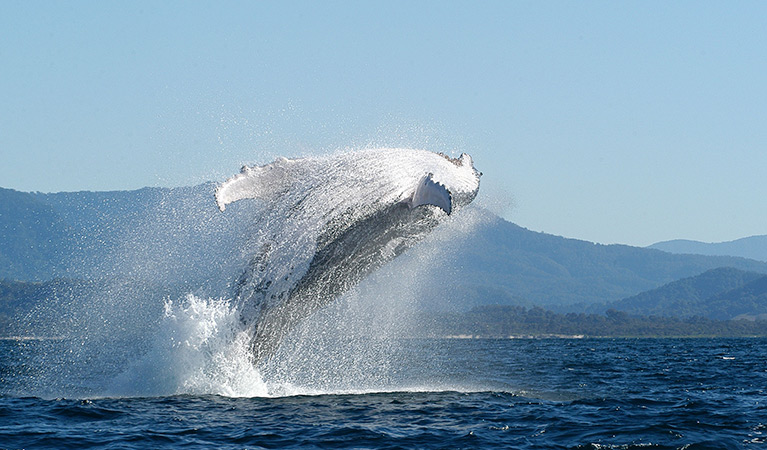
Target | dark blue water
(526,394)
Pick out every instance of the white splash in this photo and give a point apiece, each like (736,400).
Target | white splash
(353,346)
(197,344)
(199,349)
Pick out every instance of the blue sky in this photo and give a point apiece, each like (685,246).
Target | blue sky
(627,122)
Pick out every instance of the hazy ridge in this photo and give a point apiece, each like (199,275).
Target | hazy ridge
(77,235)
(753,247)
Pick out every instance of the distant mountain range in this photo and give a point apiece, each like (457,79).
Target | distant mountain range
(720,294)
(155,234)
(502,263)
(177,237)
(754,247)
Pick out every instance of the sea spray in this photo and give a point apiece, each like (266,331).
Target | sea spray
(199,348)
(351,346)
(196,344)
(361,343)
(157,328)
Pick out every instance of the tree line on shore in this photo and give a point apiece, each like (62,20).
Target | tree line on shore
(510,321)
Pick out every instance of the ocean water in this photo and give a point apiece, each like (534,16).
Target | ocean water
(436,393)
(134,369)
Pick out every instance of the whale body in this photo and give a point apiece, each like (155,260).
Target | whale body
(327,222)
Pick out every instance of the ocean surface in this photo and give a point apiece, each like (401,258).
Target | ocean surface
(432,393)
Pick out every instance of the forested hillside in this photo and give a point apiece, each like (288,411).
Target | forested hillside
(722,294)
(529,268)
(516,321)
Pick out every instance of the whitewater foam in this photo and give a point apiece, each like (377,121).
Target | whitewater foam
(198,349)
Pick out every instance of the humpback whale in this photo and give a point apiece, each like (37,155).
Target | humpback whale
(327,222)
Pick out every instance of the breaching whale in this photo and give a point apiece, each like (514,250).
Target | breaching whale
(327,222)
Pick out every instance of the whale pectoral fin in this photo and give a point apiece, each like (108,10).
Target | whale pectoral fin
(429,192)
(263,182)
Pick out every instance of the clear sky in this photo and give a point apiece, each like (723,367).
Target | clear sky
(614,122)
